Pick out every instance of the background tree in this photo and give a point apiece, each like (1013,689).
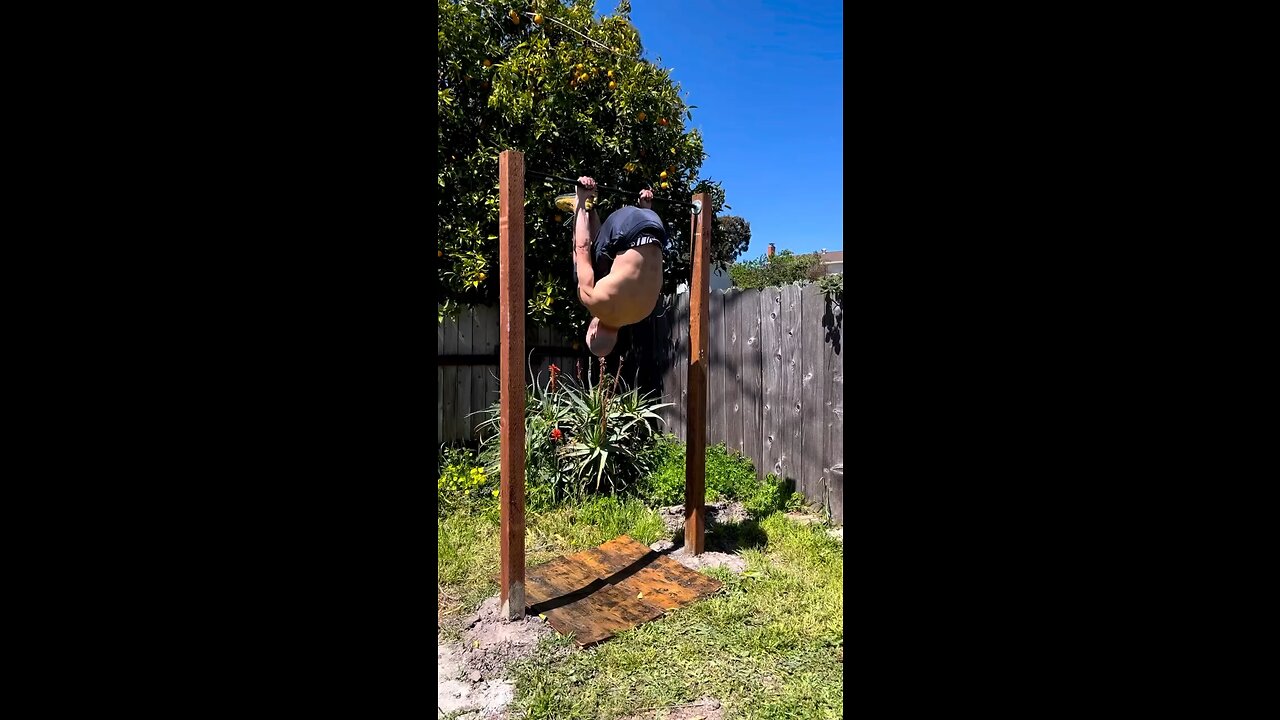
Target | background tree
(520,75)
(785,268)
(732,239)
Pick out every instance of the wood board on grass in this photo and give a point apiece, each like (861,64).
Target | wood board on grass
(601,591)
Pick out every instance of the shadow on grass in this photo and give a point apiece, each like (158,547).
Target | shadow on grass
(730,538)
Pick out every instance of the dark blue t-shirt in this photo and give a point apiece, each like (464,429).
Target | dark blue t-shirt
(620,231)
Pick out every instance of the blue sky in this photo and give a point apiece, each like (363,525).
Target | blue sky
(767,78)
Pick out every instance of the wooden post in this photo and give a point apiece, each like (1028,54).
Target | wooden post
(695,465)
(511,379)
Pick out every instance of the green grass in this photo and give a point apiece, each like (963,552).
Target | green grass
(766,647)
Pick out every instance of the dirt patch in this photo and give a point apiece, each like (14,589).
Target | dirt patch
(460,698)
(490,644)
(704,709)
(734,563)
(805,518)
(470,673)
(725,512)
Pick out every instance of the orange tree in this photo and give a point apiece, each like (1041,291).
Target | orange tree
(515,75)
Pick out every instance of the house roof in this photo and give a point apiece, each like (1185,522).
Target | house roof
(833,256)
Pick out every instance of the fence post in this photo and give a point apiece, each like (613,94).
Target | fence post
(511,317)
(695,490)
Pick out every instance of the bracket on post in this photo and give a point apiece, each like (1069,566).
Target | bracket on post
(697,207)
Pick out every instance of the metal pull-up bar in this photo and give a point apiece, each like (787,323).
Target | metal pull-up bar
(696,205)
(511,314)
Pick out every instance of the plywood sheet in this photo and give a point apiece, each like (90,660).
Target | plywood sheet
(604,590)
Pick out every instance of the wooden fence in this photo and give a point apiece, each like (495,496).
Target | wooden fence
(775,383)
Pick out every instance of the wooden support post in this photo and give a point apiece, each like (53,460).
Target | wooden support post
(511,379)
(695,465)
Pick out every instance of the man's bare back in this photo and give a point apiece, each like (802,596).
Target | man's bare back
(630,291)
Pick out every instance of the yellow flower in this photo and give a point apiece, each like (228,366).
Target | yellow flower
(495,493)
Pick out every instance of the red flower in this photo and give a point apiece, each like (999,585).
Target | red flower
(556,434)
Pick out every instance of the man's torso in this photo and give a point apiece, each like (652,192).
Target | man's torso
(630,291)
(629,277)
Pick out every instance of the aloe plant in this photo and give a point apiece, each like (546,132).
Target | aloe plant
(582,436)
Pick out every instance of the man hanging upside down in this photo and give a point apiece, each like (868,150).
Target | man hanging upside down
(619,274)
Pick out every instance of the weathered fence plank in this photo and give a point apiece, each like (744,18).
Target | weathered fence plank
(715,368)
(682,364)
(536,336)
(748,307)
(449,385)
(771,379)
(660,354)
(466,319)
(812,394)
(732,370)
(792,366)
(835,423)
(480,319)
(492,383)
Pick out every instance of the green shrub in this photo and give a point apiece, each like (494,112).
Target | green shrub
(588,436)
(729,476)
(665,485)
(463,484)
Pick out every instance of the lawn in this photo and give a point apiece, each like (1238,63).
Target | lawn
(768,646)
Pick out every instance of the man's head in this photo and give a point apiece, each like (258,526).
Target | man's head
(601,338)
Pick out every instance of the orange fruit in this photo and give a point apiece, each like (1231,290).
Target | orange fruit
(537,18)
(487,63)
(579,67)
(515,17)
(610,73)
(559,218)
(481,276)
(665,186)
(584,77)
(613,85)
(439,253)
(641,117)
(663,175)
(662,121)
